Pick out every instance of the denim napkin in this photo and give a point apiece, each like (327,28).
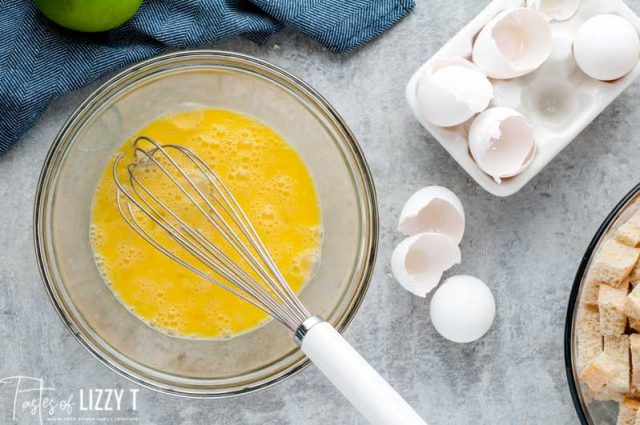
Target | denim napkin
(40,61)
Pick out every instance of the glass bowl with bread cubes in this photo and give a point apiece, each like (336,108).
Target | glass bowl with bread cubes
(602,332)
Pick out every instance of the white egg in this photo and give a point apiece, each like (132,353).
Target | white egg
(462,309)
(556,10)
(514,43)
(433,209)
(501,142)
(418,261)
(452,90)
(606,47)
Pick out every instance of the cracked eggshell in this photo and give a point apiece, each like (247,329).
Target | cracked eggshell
(433,209)
(514,43)
(555,10)
(418,262)
(501,142)
(452,90)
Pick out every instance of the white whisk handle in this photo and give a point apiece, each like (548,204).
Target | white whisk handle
(355,378)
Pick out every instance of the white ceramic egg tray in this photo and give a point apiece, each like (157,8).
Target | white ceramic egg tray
(558,99)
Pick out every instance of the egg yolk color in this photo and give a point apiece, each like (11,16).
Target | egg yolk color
(271,183)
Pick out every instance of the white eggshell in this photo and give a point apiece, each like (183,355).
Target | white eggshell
(462,309)
(501,142)
(556,10)
(418,261)
(452,90)
(606,47)
(514,43)
(433,209)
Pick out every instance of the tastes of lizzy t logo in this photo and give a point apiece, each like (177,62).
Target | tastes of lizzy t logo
(27,401)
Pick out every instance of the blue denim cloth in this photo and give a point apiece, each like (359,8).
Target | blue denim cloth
(40,61)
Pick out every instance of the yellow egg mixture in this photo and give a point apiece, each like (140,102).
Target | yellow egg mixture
(272,185)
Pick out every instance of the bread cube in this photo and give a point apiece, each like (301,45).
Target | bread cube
(613,262)
(603,395)
(590,289)
(632,303)
(598,372)
(611,304)
(634,276)
(607,376)
(629,232)
(634,346)
(588,335)
(617,349)
(628,411)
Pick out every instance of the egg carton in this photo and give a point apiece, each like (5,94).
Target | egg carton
(558,99)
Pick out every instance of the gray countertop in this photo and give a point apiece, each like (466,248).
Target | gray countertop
(526,247)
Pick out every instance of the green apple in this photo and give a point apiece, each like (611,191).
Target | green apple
(89,15)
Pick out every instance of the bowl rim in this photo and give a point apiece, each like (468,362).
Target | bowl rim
(583,416)
(61,142)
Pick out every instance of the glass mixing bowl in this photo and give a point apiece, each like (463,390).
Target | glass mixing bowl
(175,82)
(593,412)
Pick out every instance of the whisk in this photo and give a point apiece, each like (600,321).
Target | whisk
(255,277)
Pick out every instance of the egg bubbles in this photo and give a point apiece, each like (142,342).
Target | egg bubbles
(462,309)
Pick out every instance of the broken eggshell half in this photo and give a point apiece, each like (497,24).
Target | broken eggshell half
(555,10)
(501,142)
(433,209)
(419,261)
(514,43)
(451,90)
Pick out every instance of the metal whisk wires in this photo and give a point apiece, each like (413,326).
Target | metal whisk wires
(256,278)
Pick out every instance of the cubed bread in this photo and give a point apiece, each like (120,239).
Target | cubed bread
(588,334)
(628,411)
(634,276)
(604,395)
(611,304)
(590,289)
(632,303)
(634,324)
(613,262)
(607,375)
(588,395)
(598,372)
(629,232)
(634,394)
(617,349)
(634,346)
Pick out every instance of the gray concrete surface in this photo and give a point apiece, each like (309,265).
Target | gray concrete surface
(526,247)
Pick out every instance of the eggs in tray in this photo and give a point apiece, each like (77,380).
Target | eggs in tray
(521,80)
